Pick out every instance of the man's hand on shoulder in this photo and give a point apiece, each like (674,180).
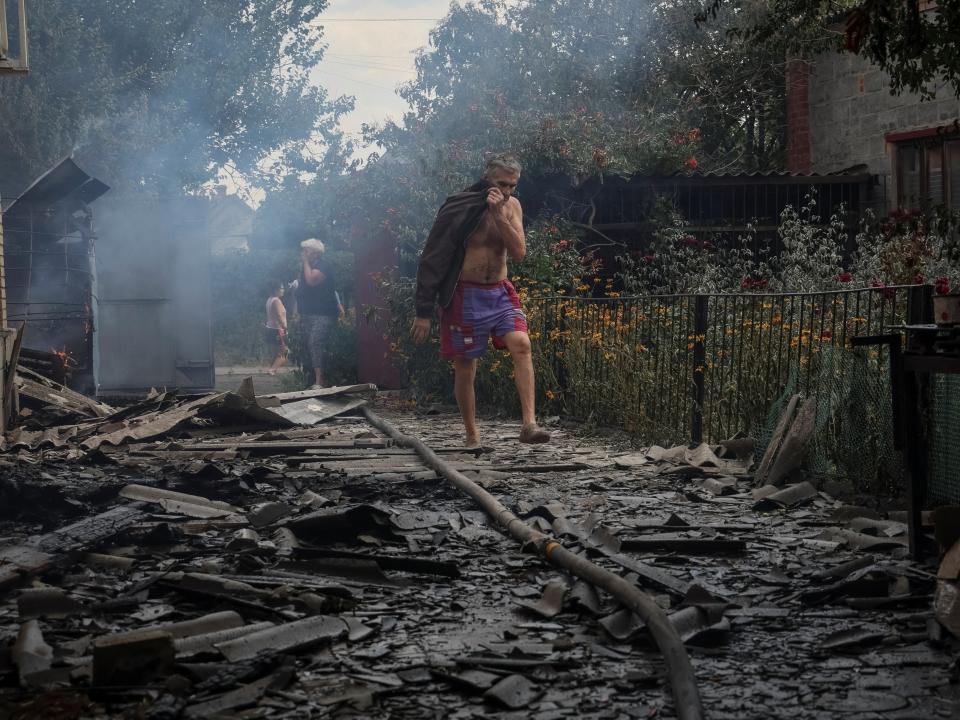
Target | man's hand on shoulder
(420,330)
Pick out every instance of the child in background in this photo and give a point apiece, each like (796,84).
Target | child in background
(275,332)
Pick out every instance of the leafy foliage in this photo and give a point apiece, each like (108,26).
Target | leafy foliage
(913,41)
(160,95)
(240,284)
(901,249)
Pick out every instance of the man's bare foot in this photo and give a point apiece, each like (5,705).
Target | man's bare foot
(471,442)
(532,433)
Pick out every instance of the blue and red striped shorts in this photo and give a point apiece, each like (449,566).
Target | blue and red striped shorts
(479,310)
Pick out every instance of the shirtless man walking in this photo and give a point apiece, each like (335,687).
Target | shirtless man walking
(464,266)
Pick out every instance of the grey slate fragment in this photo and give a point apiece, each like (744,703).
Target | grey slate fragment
(48,602)
(206,643)
(291,637)
(625,462)
(584,597)
(357,629)
(622,625)
(852,638)
(474,681)
(513,692)
(861,541)
(550,603)
(790,497)
(268,513)
(243,696)
(31,653)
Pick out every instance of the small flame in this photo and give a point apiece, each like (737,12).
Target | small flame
(65,356)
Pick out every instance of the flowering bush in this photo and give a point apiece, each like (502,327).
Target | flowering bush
(676,261)
(902,249)
(910,248)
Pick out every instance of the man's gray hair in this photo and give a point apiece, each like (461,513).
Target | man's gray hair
(503,162)
(313,245)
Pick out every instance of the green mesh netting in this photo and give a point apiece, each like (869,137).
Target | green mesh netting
(943,423)
(854,422)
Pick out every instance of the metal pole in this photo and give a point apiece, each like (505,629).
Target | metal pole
(700,315)
(682,680)
(920,305)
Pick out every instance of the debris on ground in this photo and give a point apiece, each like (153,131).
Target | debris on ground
(236,555)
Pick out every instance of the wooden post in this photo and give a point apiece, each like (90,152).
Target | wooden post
(18,64)
(3,281)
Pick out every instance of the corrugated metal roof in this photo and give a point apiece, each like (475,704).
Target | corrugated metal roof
(857,174)
(63,180)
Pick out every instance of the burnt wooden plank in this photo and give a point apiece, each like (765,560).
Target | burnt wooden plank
(42,552)
(89,531)
(794,448)
(773,446)
(716,527)
(275,446)
(691,546)
(10,400)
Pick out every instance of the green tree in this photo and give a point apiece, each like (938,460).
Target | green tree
(162,95)
(914,41)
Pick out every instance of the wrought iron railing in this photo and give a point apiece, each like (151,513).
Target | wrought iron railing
(679,368)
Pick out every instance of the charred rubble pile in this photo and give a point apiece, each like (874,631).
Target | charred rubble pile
(244,555)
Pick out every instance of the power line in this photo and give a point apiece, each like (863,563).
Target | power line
(366,55)
(369,66)
(321,21)
(353,79)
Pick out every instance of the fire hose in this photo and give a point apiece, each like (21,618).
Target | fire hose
(679,668)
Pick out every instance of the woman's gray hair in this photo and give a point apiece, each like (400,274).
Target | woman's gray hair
(503,162)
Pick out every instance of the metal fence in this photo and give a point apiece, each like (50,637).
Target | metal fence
(676,368)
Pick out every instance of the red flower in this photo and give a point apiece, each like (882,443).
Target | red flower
(919,279)
(882,288)
(690,163)
(942,286)
(845,277)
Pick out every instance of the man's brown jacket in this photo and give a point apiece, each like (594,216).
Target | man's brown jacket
(441,261)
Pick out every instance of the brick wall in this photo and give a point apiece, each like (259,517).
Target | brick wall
(798,116)
(851,111)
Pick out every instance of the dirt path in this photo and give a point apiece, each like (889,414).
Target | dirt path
(229,377)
